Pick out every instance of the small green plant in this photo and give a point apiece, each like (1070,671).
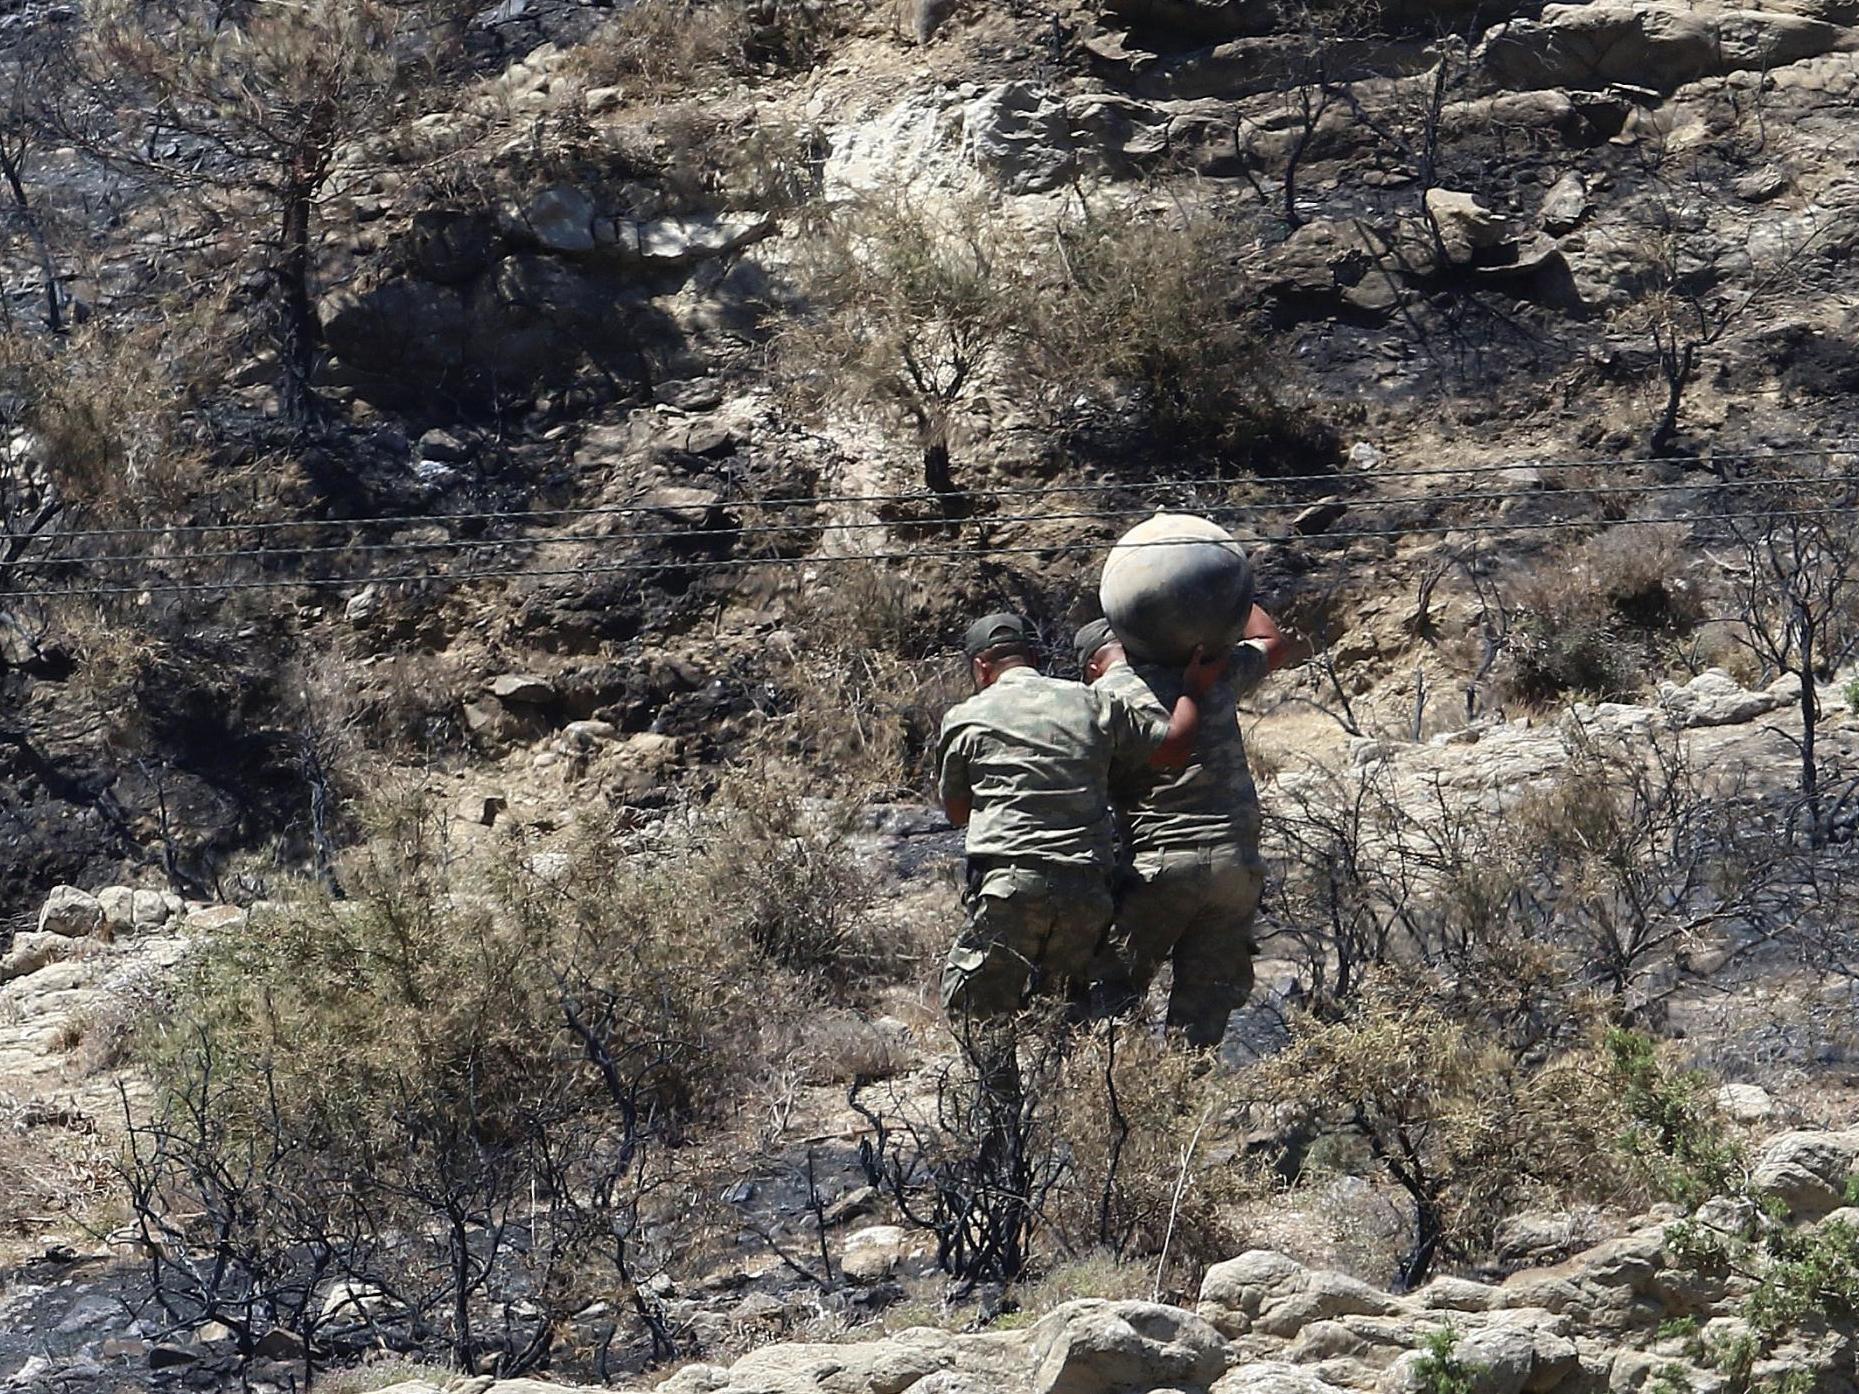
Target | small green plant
(1678,1329)
(1440,1370)
(1673,1133)
(1670,1379)
(1852,696)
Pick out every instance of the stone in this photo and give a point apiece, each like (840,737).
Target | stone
(1272,1377)
(482,810)
(148,910)
(672,242)
(1093,1346)
(1464,225)
(872,1254)
(585,735)
(690,508)
(1714,698)
(561,219)
(1746,1103)
(119,908)
(30,951)
(1454,1294)
(1319,517)
(1760,186)
(1807,1171)
(1633,42)
(1565,205)
(214,919)
(444,447)
(349,1300)
(168,1356)
(278,1344)
(363,606)
(1276,1295)
(71,912)
(521,689)
(600,100)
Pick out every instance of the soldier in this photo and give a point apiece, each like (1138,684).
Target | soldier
(1026,766)
(1191,875)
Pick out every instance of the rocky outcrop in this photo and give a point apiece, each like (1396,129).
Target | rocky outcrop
(1654,45)
(1266,1324)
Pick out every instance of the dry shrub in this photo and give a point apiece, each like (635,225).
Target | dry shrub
(1591,620)
(1149,316)
(787,886)
(865,700)
(111,412)
(1138,1119)
(530,1046)
(1470,1130)
(906,309)
(659,48)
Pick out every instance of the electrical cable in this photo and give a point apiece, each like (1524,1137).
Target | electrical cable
(919,495)
(923,554)
(471,544)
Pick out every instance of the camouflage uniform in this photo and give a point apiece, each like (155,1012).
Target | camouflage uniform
(1035,756)
(1192,875)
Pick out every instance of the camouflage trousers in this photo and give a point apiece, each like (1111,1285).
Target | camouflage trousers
(1033,928)
(1193,907)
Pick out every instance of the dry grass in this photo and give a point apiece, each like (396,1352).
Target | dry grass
(659,49)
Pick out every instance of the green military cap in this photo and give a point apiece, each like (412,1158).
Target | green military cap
(1092,637)
(997,632)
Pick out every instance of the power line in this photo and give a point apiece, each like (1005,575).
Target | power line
(472,544)
(925,496)
(922,554)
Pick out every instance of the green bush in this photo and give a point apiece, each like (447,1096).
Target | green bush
(501,1065)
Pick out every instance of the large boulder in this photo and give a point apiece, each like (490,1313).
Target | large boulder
(30,951)
(1658,45)
(1808,1172)
(1265,1291)
(70,912)
(1093,1346)
(1714,698)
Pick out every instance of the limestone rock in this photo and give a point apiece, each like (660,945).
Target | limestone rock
(31,951)
(1093,1346)
(687,507)
(213,919)
(71,912)
(1809,1172)
(351,1301)
(1266,1291)
(561,219)
(1667,44)
(1032,139)
(119,908)
(522,689)
(1465,226)
(1272,1377)
(872,1254)
(1565,205)
(1714,698)
(1746,1103)
(669,242)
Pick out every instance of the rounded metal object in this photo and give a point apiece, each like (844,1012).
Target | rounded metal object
(1174,582)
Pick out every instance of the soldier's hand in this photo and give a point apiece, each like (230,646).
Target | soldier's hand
(1202,672)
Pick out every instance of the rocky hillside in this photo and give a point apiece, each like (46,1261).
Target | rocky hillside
(487,500)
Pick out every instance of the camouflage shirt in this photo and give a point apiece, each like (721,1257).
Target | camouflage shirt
(1034,756)
(1210,802)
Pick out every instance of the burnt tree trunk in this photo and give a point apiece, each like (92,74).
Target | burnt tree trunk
(9,166)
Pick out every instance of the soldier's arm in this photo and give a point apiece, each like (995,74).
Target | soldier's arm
(952,782)
(1263,629)
(1184,722)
